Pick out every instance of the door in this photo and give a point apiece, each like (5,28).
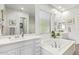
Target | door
(23,25)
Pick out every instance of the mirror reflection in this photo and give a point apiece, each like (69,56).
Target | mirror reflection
(19,18)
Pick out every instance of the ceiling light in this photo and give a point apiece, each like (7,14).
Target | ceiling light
(56,11)
(65,13)
(62,9)
(22,8)
(53,9)
(59,7)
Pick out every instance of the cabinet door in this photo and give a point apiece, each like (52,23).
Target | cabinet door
(3,53)
(36,50)
(11,52)
(27,50)
(14,52)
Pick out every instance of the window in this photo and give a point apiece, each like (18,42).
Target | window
(45,18)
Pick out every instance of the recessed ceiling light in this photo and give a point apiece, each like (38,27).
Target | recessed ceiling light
(65,13)
(59,7)
(22,8)
(63,9)
(53,9)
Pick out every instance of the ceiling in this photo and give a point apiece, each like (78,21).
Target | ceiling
(65,6)
(28,8)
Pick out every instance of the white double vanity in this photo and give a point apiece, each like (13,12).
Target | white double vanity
(28,45)
(35,45)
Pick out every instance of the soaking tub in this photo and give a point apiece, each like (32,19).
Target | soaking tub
(57,47)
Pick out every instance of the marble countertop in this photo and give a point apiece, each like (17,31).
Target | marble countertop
(14,39)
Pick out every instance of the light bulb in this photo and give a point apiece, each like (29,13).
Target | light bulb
(59,7)
(22,8)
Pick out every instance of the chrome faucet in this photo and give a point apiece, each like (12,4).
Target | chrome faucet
(22,34)
(55,44)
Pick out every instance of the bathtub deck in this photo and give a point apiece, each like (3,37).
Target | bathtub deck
(76,49)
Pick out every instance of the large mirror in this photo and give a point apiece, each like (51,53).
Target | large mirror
(26,19)
(20,18)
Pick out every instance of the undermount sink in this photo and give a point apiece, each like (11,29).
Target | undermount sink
(14,37)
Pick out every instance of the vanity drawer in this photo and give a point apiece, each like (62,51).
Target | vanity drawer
(15,51)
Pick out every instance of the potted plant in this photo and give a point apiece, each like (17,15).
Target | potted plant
(54,34)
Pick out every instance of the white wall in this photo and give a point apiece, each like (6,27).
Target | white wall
(72,15)
(74,34)
(31,24)
(15,15)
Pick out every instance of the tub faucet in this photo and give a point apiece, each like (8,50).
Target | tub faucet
(55,44)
